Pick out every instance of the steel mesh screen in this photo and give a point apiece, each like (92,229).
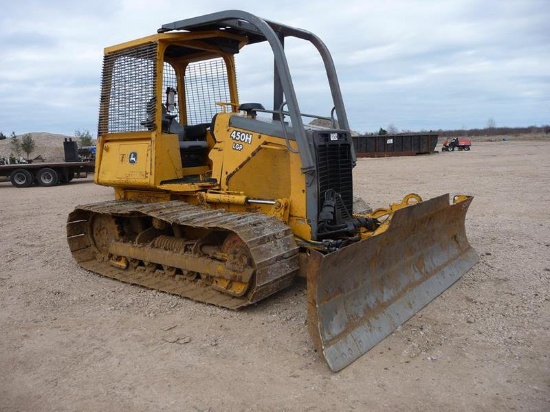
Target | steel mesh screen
(205,84)
(127,94)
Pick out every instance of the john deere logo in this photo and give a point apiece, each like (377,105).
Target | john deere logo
(132,158)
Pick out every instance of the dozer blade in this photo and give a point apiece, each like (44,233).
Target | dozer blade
(360,294)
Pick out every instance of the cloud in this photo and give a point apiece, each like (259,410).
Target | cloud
(416,64)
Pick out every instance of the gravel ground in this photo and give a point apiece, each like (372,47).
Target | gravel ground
(74,341)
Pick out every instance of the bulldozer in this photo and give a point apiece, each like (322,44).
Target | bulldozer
(227,202)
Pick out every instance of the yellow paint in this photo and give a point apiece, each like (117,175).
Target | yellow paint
(240,164)
(125,161)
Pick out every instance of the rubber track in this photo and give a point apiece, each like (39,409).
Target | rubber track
(271,244)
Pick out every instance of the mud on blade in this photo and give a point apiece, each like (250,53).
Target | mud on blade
(360,294)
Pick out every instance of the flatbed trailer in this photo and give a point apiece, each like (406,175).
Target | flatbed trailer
(45,174)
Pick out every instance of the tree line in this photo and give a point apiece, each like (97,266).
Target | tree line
(486,131)
(495,131)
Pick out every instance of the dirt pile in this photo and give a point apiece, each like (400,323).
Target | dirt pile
(48,145)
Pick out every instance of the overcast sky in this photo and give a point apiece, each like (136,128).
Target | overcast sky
(418,65)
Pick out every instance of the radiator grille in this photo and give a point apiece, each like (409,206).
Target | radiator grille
(127,92)
(335,165)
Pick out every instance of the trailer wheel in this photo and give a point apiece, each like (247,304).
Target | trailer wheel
(47,177)
(21,178)
(466,147)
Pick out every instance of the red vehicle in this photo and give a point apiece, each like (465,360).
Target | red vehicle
(456,143)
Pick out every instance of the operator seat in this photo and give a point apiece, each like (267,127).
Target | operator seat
(188,136)
(192,139)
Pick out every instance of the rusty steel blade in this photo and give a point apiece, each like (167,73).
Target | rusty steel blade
(360,294)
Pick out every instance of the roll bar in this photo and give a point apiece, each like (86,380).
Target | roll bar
(259,30)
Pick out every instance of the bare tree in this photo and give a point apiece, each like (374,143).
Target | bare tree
(392,129)
(15,145)
(84,138)
(27,144)
(491,124)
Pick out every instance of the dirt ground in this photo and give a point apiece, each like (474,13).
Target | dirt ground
(73,341)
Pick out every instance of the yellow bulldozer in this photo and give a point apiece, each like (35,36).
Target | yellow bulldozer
(227,203)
